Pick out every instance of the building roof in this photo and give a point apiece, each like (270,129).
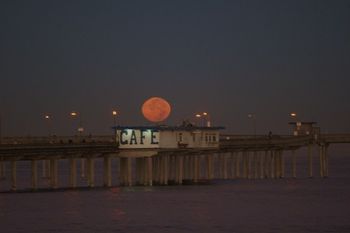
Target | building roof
(169,128)
(303,122)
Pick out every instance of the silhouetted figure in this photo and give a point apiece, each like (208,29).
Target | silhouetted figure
(270,135)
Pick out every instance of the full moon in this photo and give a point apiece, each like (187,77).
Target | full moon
(156,109)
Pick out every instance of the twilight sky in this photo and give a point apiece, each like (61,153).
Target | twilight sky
(228,58)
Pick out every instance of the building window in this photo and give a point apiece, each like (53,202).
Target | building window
(214,138)
(180,137)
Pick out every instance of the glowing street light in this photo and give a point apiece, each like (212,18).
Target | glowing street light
(293,114)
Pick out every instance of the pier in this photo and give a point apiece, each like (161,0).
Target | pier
(235,157)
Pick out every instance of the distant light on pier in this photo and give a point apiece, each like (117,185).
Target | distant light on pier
(293,114)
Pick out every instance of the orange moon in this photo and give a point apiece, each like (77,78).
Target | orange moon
(156,109)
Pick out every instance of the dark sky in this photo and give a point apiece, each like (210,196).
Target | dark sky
(228,58)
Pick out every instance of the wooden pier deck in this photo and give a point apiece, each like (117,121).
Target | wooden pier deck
(254,157)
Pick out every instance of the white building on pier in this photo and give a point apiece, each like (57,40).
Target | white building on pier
(167,137)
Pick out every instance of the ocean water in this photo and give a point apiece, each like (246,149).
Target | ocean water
(278,205)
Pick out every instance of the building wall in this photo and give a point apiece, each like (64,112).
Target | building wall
(135,138)
(189,139)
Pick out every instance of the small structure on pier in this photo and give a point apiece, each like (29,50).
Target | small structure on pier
(304,128)
(167,137)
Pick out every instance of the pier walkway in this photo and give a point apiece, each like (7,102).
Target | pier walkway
(249,157)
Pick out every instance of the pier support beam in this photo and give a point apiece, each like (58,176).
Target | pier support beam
(196,169)
(54,173)
(267,158)
(47,169)
(129,171)
(225,166)
(140,171)
(91,172)
(232,167)
(122,171)
(309,152)
(255,164)
(277,164)
(323,151)
(294,166)
(245,165)
(2,169)
(125,171)
(249,165)
(321,160)
(326,157)
(282,172)
(238,165)
(209,167)
(172,166)
(261,165)
(82,168)
(73,172)
(166,169)
(34,174)
(107,174)
(14,175)
(149,176)
(45,164)
(272,164)
(180,169)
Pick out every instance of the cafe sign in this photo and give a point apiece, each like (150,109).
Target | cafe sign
(138,138)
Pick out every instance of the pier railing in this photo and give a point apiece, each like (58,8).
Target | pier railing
(249,157)
(90,139)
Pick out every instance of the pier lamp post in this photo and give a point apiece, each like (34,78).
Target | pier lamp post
(294,116)
(199,116)
(207,117)
(114,114)
(47,118)
(297,122)
(253,118)
(80,126)
(0,128)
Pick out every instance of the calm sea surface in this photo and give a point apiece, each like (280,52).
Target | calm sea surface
(281,205)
